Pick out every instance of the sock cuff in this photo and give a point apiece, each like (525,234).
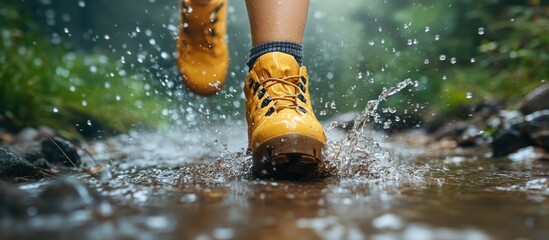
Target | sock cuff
(292,48)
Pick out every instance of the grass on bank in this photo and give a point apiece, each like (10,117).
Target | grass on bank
(43,82)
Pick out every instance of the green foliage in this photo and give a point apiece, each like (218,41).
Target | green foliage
(515,52)
(44,84)
(460,52)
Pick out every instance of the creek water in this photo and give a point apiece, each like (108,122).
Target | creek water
(186,185)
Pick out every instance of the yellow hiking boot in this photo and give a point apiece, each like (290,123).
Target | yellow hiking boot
(284,136)
(203,56)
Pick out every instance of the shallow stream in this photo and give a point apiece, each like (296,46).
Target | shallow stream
(180,186)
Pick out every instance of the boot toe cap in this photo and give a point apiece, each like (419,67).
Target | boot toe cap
(283,124)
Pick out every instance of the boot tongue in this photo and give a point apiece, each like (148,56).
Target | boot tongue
(278,65)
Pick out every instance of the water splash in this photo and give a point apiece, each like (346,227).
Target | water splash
(361,156)
(187,158)
(356,156)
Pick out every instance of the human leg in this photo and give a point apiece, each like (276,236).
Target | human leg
(277,20)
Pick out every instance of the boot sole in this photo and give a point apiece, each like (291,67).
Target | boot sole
(290,156)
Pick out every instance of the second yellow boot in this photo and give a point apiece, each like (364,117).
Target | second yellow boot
(284,136)
(203,57)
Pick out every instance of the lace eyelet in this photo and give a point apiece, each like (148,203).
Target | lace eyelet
(302,109)
(266,101)
(270,111)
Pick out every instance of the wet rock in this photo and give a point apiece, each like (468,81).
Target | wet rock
(506,119)
(531,130)
(487,108)
(58,150)
(27,134)
(28,150)
(536,100)
(508,141)
(537,126)
(69,195)
(538,120)
(527,153)
(541,139)
(13,165)
(471,136)
(41,163)
(45,132)
(451,131)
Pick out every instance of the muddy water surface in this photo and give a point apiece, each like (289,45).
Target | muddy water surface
(174,186)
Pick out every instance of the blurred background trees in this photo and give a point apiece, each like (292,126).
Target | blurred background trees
(65,64)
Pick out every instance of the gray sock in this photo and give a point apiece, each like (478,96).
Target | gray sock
(294,49)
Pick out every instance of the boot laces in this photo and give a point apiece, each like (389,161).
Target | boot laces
(292,99)
(209,32)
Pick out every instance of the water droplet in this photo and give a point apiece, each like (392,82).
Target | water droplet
(89,122)
(81,3)
(55,110)
(469,95)
(442,57)
(72,88)
(453,60)
(333,105)
(437,37)
(426,61)
(117,97)
(444,77)
(473,60)
(481,31)
(84,103)
(319,14)
(107,37)
(359,75)
(427,29)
